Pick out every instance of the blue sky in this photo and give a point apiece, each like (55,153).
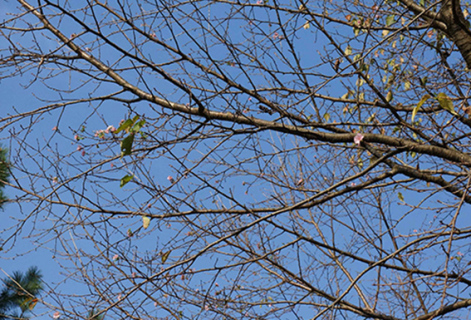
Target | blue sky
(63,159)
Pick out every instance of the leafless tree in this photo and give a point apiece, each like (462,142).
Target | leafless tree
(242,159)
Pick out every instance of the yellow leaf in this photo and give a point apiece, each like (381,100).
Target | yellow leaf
(445,102)
(417,107)
(389,96)
(348,50)
(165,256)
(400,196)
(33,304)
(145,222)
(306,25)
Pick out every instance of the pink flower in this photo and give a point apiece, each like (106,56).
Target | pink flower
(259,1)
(56,315)
(460,254)
(170,179)
(79,148)
(276,35)
(100,134)
(115,257)
(358,138)
(76,137)
(110,129)
(54,128)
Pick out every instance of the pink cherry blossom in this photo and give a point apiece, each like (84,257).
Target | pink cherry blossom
(170,179)
(110,129)
(56,315)
(358,138)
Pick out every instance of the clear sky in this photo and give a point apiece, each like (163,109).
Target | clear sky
(91,237)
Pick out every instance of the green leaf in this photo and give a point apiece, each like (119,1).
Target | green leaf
(124,126)
(417,107)
(165,255)
(128,125)
(137,126)
(126,145)
(125,180)
(327,117)
(145,222)
(445,102)
(389,20)
(400,196)
(423,81)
